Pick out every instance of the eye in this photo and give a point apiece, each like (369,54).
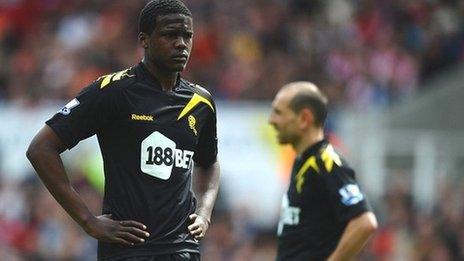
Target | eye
(276,111)
(169,34)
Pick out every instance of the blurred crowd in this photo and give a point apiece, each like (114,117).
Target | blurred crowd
(409,232)
(34,227)
(363,53)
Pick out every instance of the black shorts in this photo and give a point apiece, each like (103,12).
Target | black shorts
(183,256)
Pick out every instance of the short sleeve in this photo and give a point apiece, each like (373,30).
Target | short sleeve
(206,150)
(347,198)
(83,116)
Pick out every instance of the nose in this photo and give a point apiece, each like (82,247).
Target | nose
(180,43)
(271,119)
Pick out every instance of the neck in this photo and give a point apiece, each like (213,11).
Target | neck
(308,140)
(167,79)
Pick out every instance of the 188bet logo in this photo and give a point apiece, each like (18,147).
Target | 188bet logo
(159,154)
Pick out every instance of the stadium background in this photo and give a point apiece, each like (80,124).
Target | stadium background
(392,70)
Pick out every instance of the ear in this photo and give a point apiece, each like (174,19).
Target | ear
(143,40)
(306,118)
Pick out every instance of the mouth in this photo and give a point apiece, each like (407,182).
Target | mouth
(180,57)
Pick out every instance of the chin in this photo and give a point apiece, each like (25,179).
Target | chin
(178,68)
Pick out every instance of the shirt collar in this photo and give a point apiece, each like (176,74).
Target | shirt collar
(313,149)
(149,77)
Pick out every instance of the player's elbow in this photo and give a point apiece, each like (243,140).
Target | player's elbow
(37,149)
(43,145)
(370,223)
(33,152)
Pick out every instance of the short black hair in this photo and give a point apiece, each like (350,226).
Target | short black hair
(154,8)
(315,101)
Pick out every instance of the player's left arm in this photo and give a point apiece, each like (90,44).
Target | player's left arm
(206,175)
(355,236)
(350,205)
(206,187)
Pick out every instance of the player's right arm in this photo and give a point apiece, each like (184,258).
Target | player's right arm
(78,120)
(44,155)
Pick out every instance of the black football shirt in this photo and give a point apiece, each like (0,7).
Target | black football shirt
(322,197)
(149,140)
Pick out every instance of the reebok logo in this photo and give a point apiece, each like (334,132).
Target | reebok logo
(141,117)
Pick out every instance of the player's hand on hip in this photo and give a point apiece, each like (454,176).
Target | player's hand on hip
(198,226)
(125,232)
